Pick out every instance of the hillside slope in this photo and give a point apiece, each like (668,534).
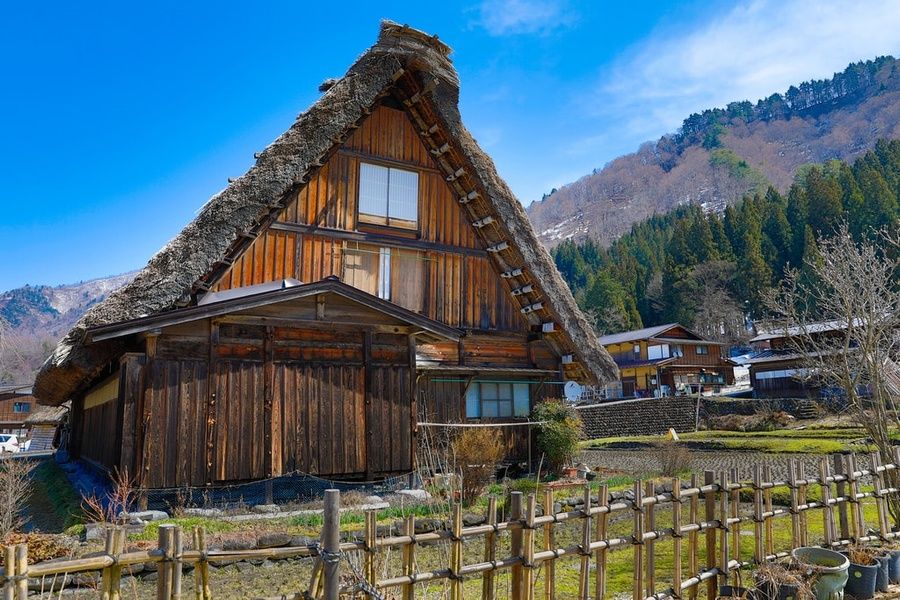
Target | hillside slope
(720,155)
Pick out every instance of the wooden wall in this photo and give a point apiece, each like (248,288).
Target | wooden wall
(456,283)
(99,434)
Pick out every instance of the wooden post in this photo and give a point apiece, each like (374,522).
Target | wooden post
(515,544)
(9,570)
(649,545)
(676,536)
(201,569)
(549,544)
(584,573)
(331,545)
(456,554)
(878,477)
(795,515)
(111,577)
(802,494)
(767,520)
(694,537)
(759,552)
(105,574)
(859,520)
(528,550)
(637,540)
(177,552)
(22,572)
(736,527)
(408,591)
(165,539)
(842,493)
(490,549)
(371,547)
(709,498)
(600,555)
(724,558)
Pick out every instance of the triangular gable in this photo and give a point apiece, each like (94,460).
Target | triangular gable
(415,69)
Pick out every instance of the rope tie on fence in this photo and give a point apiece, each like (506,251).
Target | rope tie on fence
(327,556)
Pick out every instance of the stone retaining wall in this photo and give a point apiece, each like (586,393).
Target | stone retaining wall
(641,416)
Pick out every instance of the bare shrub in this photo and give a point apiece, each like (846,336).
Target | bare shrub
(673,458)
(15,485)
(107,508)
(477,452)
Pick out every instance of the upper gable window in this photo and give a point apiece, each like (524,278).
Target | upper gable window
(388,196)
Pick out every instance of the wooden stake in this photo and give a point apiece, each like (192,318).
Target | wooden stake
(515,544)
(878,476)
(115,572)
(735,495)
(723,528)
(105,574)
(331,545)
(408,591)
(584,573)
(694,537)
(759,552)
(801,492)
(9,570)
(676,536)
(371,547)
(858,518)
(22,572)
(649,545)
(549,544)
(600,555)
(528,542)
(490,549)
(709,498)
(177,551)
(827,512)
(456,554)
(637,539)
(843,519)
(767,520)
(163,579)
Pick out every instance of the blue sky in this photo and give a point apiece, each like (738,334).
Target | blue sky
(121,119)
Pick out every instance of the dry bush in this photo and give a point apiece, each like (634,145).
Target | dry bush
(15,485)
(107,508)
(42,546)
(477,452)
(862,555)
(673,458)
(763,420)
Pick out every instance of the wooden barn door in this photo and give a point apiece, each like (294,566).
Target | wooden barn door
(240,421)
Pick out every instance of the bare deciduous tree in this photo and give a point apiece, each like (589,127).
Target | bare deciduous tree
(15,485)
(844,319)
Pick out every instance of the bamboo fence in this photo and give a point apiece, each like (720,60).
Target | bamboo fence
(713,506)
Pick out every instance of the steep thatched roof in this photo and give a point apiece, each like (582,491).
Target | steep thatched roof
(172,274)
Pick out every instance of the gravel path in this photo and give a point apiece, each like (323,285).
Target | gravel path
(636,462)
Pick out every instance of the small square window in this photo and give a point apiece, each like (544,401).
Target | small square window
(702,350)
(21,407)
(388,196)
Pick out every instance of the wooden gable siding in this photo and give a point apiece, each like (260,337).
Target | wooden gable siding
(98,434)
(311,238)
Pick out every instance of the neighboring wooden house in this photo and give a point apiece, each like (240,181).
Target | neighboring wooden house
(44,427)
(666,360)
(370,271)
(16,403)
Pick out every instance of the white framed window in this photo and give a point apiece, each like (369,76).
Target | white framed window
(658,351)
(384,273)
(702,349)
(637,349)
(388,196)
(493,400)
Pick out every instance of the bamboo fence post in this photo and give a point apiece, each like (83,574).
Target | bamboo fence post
(115,572)
(856,506)
(676,536)
(331,545)
(106,573)
(842,497)
(877,475)
(490,547)
(795,516)
(724,558)
(528,542)
(22,572)
(827,514)
(637,539)
(709,479)
(694,537)
(759,551)
(371,546)
(600,555)
(456,553)
(549,544)
(584,573)
(163,577)
(515,544)
(198,573)
(408,591)
(177,553)
(802,492)
(767,516)
(9,571)
(650,526)
(736,528)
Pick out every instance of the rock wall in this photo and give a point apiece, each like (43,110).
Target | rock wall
(642,416)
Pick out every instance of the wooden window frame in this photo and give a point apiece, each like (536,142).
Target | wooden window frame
(702,350)
(385,224)
(500,400)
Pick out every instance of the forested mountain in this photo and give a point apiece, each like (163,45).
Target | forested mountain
(718,156)
(33,318)
(708,271)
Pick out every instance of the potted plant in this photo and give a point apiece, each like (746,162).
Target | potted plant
(863,572)
(825,570)
(777,581)
(892,550)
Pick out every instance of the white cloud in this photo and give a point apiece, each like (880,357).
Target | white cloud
(755,49)
(510,17)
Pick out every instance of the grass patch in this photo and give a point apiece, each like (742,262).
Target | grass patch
(151,531)
(51,486)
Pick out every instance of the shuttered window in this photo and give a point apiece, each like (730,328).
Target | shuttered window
(388,196)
